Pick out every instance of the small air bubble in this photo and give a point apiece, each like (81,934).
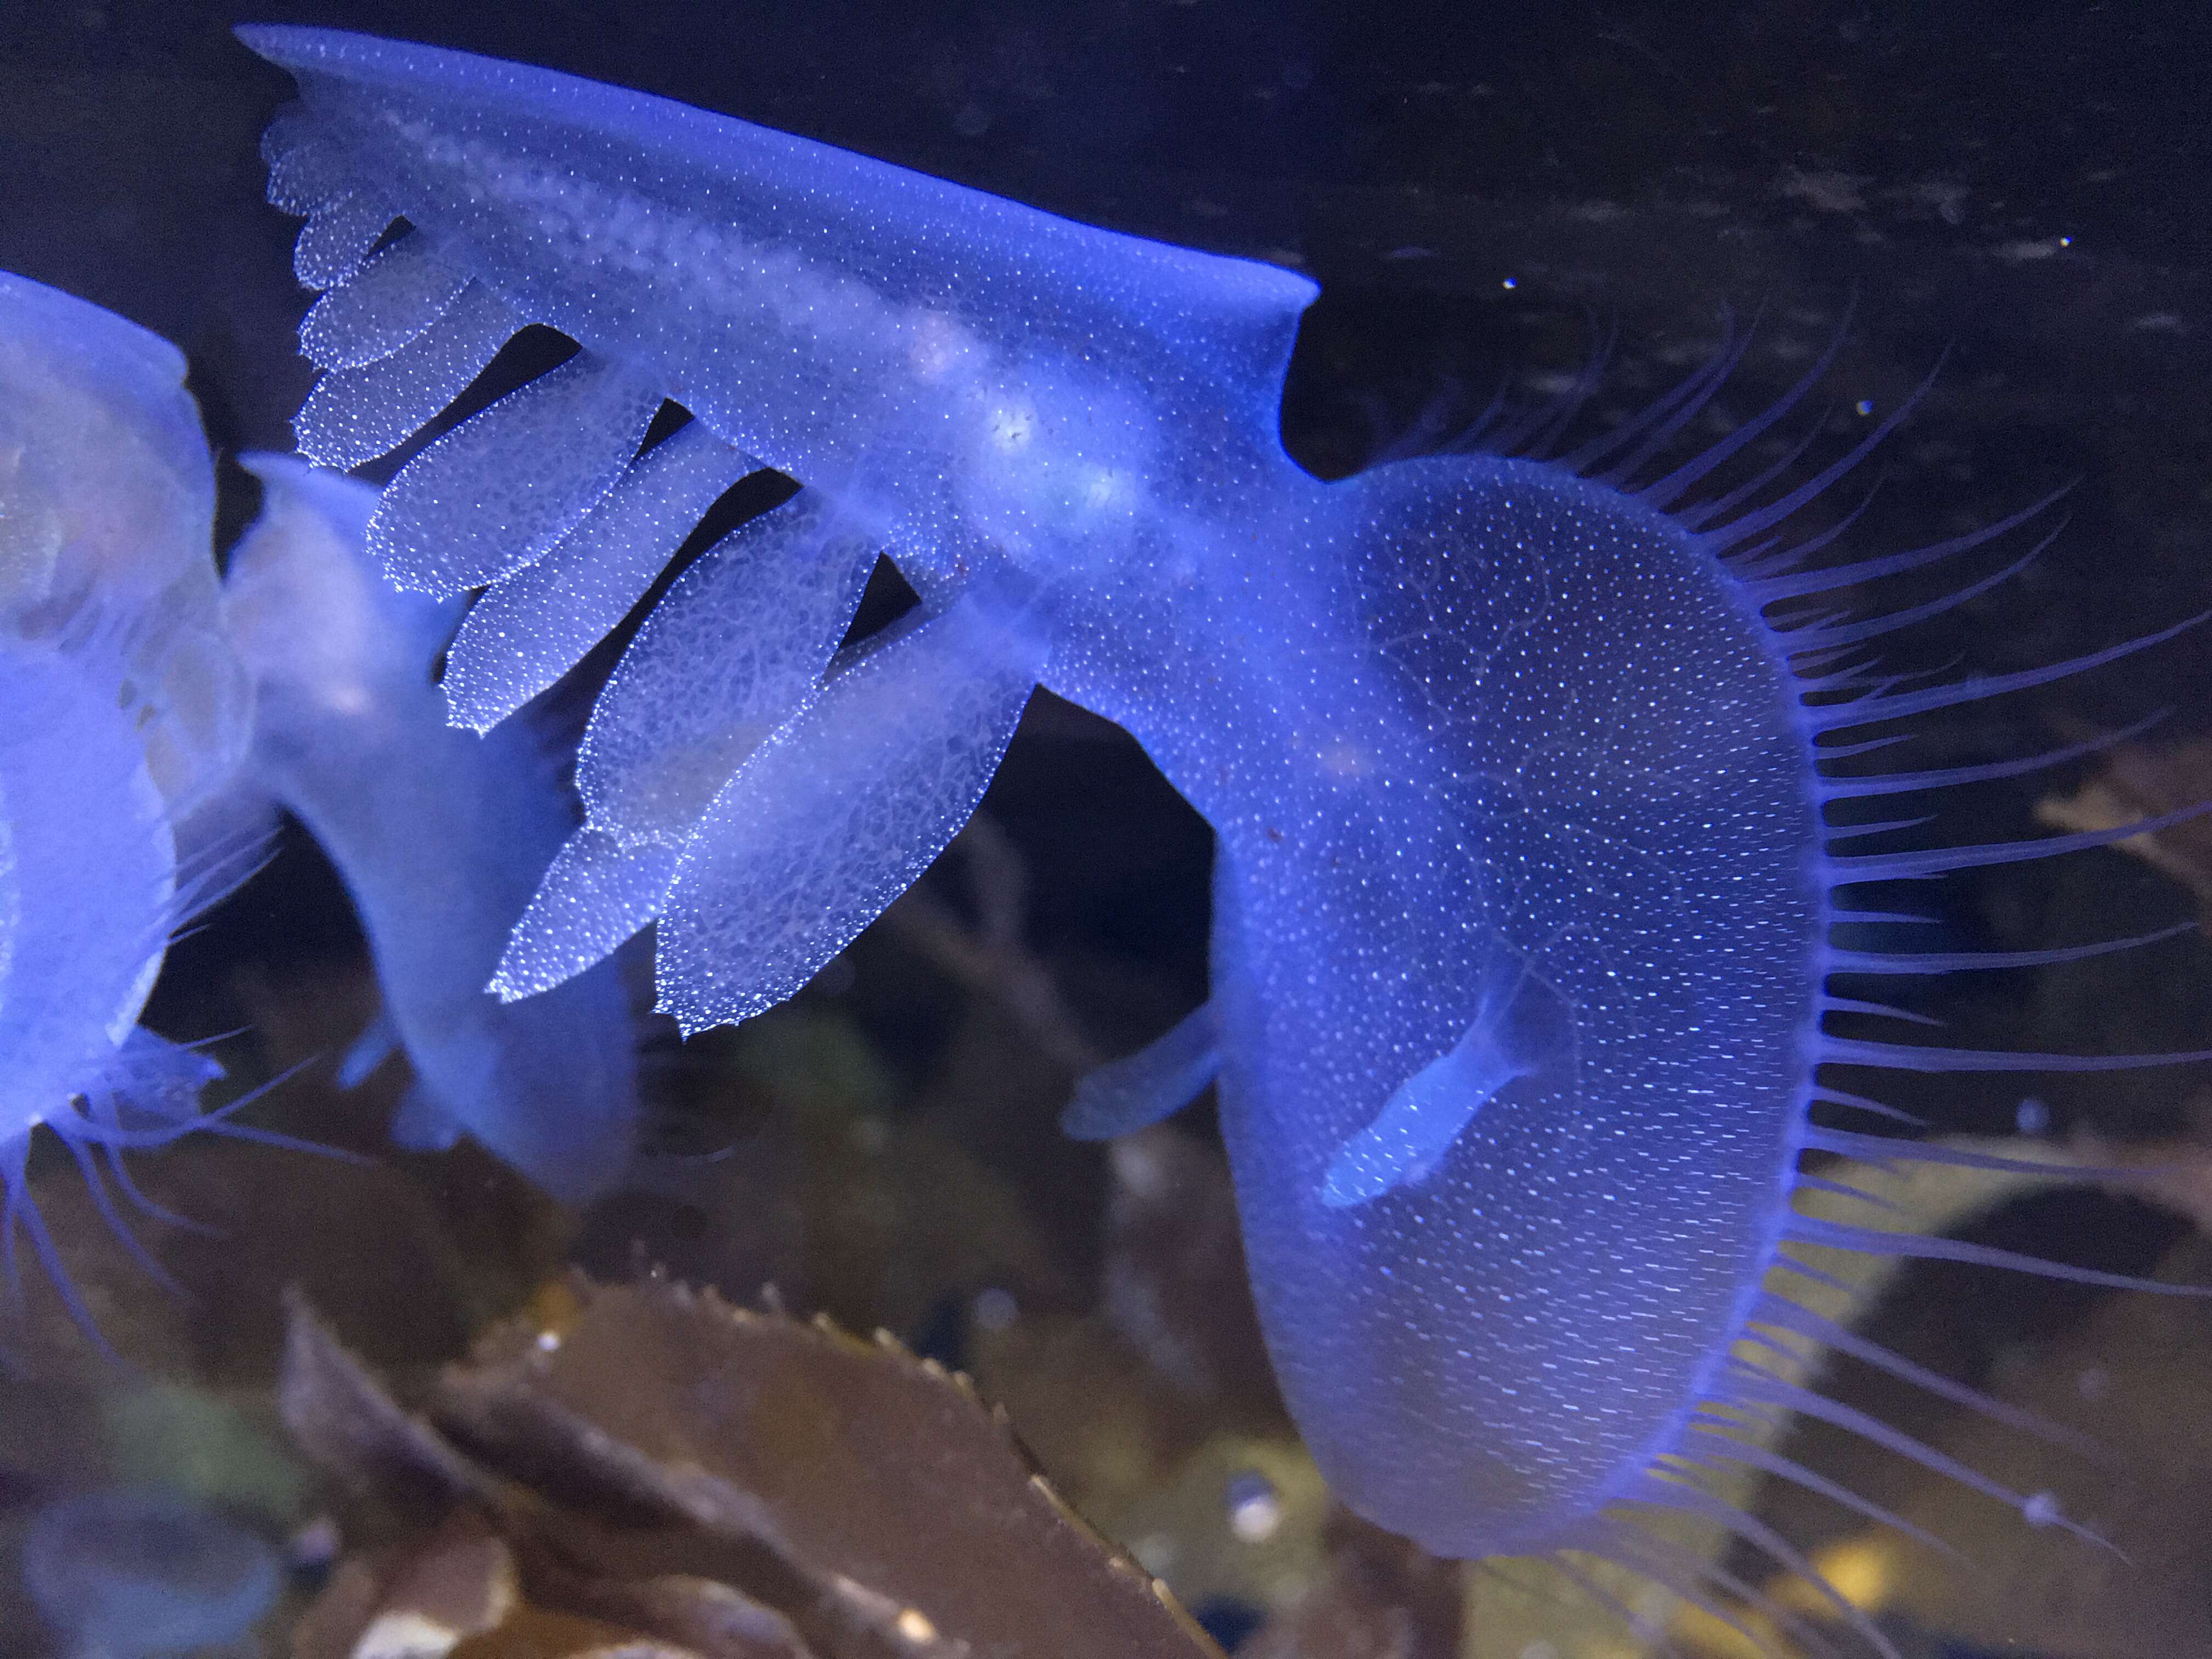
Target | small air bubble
(2041,1510)
(314,1545)
(995,1309)
(1139,1165)
(2031,1116)
(1508,284)
(1155,1553)
(913,1625)
(1863,408)
(1255,1512)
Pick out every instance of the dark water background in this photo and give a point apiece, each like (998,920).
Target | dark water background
(1482,192)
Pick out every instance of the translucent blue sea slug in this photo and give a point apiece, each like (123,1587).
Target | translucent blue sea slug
(1519,770)
(144,1573)
(439,835)
(122,712)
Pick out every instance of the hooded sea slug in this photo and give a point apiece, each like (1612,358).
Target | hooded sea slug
(1519,770)
(146,1573)
(121,711)
(439,835)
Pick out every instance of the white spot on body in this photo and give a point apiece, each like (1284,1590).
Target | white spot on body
(1155,1553)
(914,1626)
(1256,1509)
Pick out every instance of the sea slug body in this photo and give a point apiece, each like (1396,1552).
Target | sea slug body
(122,712)
(439,833)
(144,1573)
(1520,769)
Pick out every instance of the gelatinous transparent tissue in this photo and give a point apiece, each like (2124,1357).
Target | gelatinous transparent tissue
(392,298)
(501,488)
(531,627)
(597,893)
(354,414)
(438,834)
(731,651)
(123,712)
(335,240)
(839,811)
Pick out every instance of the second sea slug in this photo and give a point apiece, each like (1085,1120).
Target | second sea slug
(440,836)
(123,712)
